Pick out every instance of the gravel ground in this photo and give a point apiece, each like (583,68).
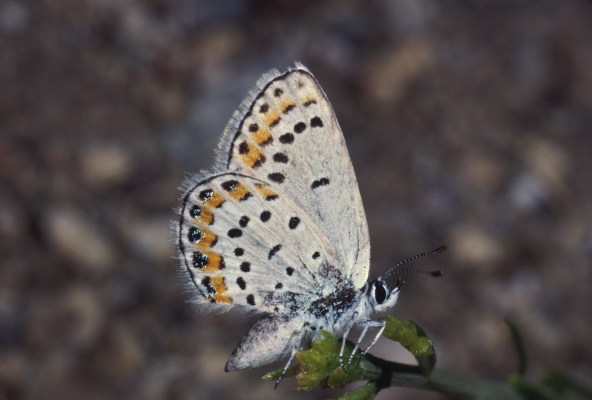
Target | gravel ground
(468,124)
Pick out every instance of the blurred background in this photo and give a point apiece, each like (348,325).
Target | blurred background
(468,124)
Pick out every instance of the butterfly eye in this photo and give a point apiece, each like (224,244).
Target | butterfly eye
(379,292)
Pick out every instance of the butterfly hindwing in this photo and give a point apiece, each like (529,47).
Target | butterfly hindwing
(244,242)
(286,134)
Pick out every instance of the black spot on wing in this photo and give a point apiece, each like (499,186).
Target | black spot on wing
(200,260)
(274,251)
(245,266)
(320,182)
(194,235)
(316,122)
(280,158)
(229,185)
(195,211)
(251,299)
(234,233)
(294,222)
(208,284)
(276,177)
(206,194)
(299,127)
(241,283)
(287,138)
(265,216)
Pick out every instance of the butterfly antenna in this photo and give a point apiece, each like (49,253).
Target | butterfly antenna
(395,269)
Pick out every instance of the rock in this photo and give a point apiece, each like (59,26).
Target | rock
(77,237)
(151,236)
(105,165)
(473,245)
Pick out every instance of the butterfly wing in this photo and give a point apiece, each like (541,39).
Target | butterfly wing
(244,242)
(286,134)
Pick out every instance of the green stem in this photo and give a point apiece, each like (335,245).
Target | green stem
(386,374)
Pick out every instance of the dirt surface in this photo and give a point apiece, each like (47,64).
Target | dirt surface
(468,124)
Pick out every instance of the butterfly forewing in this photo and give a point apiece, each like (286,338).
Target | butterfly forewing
(287,135)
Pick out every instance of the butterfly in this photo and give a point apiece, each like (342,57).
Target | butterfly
(278,227)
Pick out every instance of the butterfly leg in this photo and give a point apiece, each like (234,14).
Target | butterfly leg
(358,342)
(285,370)
(299,338)
(344,339)
(367,325)
(376,324)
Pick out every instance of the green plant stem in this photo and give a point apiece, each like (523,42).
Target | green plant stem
(386,374)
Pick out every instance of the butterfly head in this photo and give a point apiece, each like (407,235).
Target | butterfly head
(381,296)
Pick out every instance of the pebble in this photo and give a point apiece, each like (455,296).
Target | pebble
(105,164)
(74,235)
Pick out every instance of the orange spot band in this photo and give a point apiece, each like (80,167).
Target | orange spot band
(206,217)
(240,192)
(220,288)
(287,106)
(270,118)
(215,201)
(253,157)
(208,239)
(266,192)
(262,137)
(215,262)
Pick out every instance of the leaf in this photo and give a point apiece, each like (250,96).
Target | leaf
(274,375)
(563,385)
(518,345)
(527,390)
(320,365)
(366,392)
(316,363)
(414,339)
